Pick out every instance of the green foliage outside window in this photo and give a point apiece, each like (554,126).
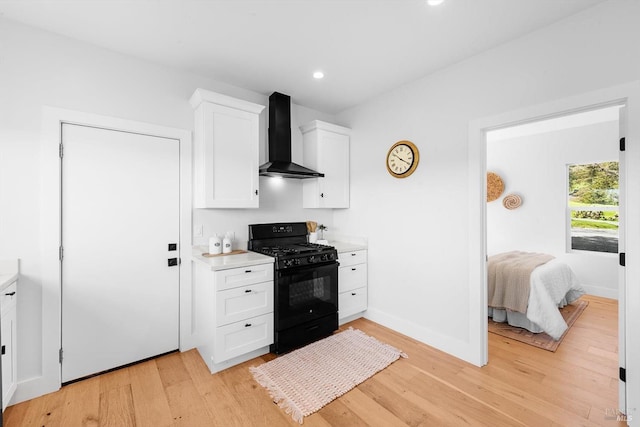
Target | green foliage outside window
(594,184)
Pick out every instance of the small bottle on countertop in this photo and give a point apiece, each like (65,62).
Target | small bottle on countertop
(226,244)
(215,245)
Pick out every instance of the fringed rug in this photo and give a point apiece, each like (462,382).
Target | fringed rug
(569,312)
(303,381)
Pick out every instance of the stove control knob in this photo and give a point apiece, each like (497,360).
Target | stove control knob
(311,259)
(297,261)
(287,262)
(325,257)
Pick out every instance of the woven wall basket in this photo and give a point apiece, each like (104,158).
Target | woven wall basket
(512,201)
(495,186)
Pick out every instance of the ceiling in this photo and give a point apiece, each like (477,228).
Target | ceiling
(364,47)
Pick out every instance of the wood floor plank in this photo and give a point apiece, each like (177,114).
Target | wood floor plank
(338,414)
(151,407)
(521,385)
(188,408)
(361,405)
(171,369)
(116,407)
(395,395)
(254,400)
(81,404)
(114,379)
(222,406)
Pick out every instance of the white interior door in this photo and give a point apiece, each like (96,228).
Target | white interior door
(120,211)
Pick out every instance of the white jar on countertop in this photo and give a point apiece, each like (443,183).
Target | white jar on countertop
(226,244)
(215,245)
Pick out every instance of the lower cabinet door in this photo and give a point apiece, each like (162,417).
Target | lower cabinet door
(243,337)
(352,302)
(9,367)
(234,305)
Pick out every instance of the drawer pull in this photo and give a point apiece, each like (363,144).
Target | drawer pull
(247,271)
(4,350)
(247,325)
(10,294)
(353,269)
(246,291)
(353,294)
(353,254)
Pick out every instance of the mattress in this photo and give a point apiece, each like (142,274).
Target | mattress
(553,285)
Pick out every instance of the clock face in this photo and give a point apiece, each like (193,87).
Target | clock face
(402,159)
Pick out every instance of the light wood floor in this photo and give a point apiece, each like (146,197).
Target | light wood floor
(521,385)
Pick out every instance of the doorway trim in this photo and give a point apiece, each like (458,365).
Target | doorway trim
(50,228)
(628,95)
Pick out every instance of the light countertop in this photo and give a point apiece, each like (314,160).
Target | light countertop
(342,247)
(225,262)
(8,272)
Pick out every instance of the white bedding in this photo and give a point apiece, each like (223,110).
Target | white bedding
(553,285)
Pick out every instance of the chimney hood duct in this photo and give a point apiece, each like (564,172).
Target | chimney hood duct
(280,163)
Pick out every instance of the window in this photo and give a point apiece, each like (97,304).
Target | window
(593,207)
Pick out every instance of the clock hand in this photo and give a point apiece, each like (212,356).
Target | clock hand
(401,159)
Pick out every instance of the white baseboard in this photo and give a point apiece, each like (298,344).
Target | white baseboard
(460,349)
(32,388)
(601,292)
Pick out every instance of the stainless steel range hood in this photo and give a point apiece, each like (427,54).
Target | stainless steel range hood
(280,163)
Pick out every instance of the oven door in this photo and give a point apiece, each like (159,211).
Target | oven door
(305,294)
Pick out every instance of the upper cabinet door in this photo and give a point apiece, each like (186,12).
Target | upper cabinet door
(326,150)
(226,151)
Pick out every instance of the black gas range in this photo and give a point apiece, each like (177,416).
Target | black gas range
(305,283)
(299,255)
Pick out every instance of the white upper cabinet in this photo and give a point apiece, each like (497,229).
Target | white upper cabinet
(226,151)
(326,150)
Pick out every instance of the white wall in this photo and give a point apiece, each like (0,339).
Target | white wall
(418,227)
(38,68)
(535,167)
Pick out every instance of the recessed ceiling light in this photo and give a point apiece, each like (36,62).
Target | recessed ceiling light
(434,2)
(318,75)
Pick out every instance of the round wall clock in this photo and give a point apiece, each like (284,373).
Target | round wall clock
(402,159)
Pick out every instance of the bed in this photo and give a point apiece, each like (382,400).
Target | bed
(526,289)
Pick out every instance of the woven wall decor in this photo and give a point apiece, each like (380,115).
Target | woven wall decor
(495,186)
(512,201)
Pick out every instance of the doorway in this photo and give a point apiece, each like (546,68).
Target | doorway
(618,96)
(565,172)
(120,234)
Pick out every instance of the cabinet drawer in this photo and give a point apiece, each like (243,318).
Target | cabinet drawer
(243,337)
(352,302)
(351,277)
(236,277)
(233,305)
(351,258)
(8,297)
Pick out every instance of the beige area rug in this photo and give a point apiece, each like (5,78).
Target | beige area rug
(303,381)
(541,340)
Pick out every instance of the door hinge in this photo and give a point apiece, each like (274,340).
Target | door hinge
(60,355)
(60,253)
(623,375)
(622,144)
(622,257)
(61,150)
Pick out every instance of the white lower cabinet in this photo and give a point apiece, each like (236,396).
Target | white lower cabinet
(352,284)
(233,309)
(8,300)
(236,339)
